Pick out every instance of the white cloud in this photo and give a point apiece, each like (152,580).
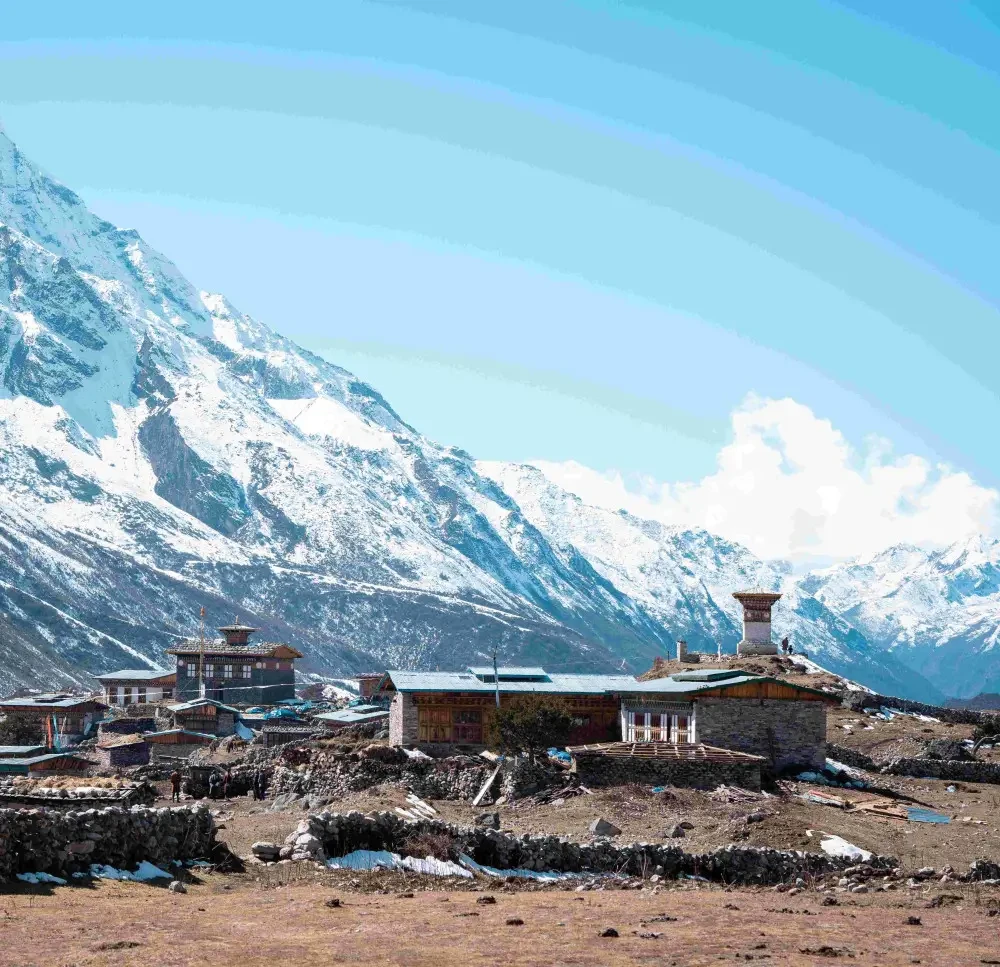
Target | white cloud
(789,486)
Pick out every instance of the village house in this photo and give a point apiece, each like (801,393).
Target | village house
(205,716)
(49,763)
(235,670)
(131,686)
(368,683)
(176,743)
(51,718)
(782,723)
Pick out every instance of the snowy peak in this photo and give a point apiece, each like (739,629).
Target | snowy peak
(163,451)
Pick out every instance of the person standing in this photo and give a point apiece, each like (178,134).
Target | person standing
(227,779)
(175,784)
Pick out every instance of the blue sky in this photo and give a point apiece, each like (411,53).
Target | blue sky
(565,230)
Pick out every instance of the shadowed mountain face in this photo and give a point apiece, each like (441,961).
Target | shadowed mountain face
(162,451)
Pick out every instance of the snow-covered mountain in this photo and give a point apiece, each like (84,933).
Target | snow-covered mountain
(683,580)
(938,612)
(161,451)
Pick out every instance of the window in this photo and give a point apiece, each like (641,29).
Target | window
(467,725)
(659,726)
(142,694)
(168,693)
(192,671)
(247,671)
(227,671)
(210,671)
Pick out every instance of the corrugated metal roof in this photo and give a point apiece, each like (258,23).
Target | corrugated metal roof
(569,684)
(200,735)
(19,751)
(34,760)
(196,702)
(508,671)
(45,702)
(135,674)
(349,716)
(585,684)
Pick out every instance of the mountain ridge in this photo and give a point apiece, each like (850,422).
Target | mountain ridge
(166,452)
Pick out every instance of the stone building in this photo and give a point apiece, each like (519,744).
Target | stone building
(235,670)
(50,718)
(134,686)
(779,721)
(783,722)
(122,751)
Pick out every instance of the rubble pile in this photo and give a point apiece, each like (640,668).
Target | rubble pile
(61,843)
(327,834)
(959,770)
(328,775)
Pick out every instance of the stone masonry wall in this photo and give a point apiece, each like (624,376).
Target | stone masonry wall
(860,700)
(606,770)
(955,769)
(61,843)
(403,720)
(335,834)
(786,733)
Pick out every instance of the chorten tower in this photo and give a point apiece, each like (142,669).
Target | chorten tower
(757,604)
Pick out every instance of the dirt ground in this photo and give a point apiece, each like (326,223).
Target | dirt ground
(239,920)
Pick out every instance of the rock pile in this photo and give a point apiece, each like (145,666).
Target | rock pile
(329,775)
(61,843)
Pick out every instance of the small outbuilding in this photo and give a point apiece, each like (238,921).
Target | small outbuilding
(122,751)
(205,715)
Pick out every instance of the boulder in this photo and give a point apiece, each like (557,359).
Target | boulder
(488,820)
(601,827)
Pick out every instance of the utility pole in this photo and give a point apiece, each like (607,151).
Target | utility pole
(496,677)
(201,656)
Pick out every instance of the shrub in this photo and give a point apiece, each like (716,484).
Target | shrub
(530,723)
(439,845)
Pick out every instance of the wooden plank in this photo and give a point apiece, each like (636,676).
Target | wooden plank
(487,785)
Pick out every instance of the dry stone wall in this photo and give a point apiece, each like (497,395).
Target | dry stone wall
(959,770)
(330,834)
(62,843)
(860,700)
(606,770)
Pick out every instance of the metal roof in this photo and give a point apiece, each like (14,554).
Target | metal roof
(683,683)
(48,701)
(34,760)
(19,751)
(197,702)
(135,674)
(569,684)
(349,716)
(508,671)
(201,735)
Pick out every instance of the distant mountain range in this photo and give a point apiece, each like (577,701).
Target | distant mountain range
(161,451)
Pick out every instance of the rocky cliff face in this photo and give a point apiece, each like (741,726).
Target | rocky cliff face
(162,451)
